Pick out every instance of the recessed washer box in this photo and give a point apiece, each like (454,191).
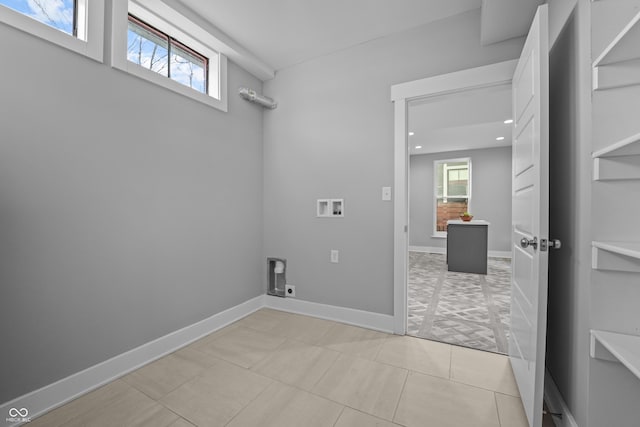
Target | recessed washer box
(330,208)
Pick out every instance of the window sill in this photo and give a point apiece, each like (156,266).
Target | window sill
(439,236)
(165,82)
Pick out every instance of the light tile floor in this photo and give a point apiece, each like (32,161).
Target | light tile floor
(279,369)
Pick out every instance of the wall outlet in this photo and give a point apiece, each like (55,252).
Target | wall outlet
(289,290)
(335,256)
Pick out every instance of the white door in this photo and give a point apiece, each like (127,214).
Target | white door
(530,213)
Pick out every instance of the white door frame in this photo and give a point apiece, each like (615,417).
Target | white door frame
(401,94)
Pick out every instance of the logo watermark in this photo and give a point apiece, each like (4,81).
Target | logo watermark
(18,415)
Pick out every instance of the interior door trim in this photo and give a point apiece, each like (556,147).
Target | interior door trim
(401,94)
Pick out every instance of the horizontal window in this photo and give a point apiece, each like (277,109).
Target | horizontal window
(156,51)
(60,14)
(77,25)
(155,42)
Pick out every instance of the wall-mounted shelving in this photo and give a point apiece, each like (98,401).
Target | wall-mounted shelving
(617,347)
(619,63)
(620,160)
(617,256)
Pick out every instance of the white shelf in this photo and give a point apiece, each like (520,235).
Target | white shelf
(624,46)
(616,256)
(619,63)
(616,347)
(629,146)
(620,160)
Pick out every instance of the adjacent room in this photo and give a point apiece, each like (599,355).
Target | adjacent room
(460,162)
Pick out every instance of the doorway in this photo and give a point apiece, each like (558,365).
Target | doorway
(459,147)
(405,96)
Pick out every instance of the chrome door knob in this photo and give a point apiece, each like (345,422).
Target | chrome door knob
(524,243)
(555,244)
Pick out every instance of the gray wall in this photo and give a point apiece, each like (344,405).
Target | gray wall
(490,197)
(126,211)
(569,215)
(332,136)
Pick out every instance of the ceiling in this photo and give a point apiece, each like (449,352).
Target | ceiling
(465,120)
(281,33)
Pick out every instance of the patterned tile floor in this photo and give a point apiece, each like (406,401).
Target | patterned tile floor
(471,310)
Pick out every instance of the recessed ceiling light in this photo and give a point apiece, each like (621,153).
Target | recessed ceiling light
(500,138)
(411,133)
(508,121)
(418,147)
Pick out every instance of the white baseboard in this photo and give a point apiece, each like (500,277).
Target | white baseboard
(365,319)
(499,254)
(436,250)
(53,395)
(556,403)
(428,249)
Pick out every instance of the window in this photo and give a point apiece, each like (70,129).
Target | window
(60,14)
(77,25)
(452,191)
(155,42)
(152,49)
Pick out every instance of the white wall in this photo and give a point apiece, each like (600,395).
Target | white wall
(490,201)
(126,211)
(332,136)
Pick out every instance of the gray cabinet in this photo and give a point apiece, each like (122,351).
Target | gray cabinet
(467,246)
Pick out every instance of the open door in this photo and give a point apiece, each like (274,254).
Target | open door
(530,213)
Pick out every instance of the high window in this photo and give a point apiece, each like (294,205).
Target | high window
(59,14)
(168,46)
(452,192)
(155,50)
(77,25)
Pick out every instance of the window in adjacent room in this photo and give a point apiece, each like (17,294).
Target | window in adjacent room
(156,51)
(452,191)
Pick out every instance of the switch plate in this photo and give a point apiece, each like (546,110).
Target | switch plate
(386,193)
(335,256)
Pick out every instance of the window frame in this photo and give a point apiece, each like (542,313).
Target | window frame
(88,26)
(171,43)
(180,28)
(443,234)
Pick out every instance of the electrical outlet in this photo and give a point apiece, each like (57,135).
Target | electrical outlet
(335,256)
(290,290)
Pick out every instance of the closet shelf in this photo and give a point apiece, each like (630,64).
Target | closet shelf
(620,160)
(617,256)
(624,46)
(629,146)
(617,348)
(619,63)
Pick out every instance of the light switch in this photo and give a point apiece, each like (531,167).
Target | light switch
(335,256)
(386,193)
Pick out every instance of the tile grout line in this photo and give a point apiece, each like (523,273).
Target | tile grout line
(404,384)
(427,323)
(494,317)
